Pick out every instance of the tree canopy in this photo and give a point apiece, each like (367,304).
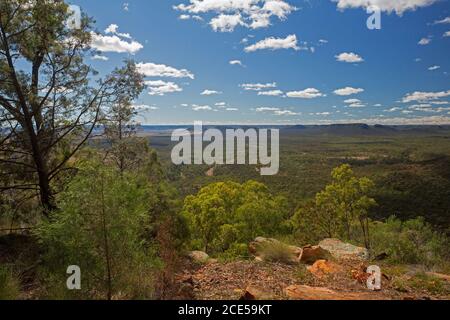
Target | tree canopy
(50,99)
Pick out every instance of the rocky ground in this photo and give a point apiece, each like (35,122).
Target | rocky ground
(340,275)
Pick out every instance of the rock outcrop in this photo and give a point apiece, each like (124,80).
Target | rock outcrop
(199,256)
(310,254)
(344,251)
(323,268)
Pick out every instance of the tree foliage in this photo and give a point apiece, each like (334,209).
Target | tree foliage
(50,99)
(338,207)
(228,213)
(101,227)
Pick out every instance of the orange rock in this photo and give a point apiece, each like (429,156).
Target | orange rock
(322,268)
(311,254)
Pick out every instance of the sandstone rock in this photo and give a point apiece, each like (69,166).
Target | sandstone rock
(322,268)
(199,256)
(344,251)
(311,254)
(264,249)
(299,292)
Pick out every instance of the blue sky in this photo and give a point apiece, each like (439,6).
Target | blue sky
(294,61)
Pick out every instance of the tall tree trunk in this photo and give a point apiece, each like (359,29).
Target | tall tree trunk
(46,194)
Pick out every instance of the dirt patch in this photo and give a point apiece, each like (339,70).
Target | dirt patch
(230,281)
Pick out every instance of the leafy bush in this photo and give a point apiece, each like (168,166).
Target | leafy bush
(226,213)
(101,227)
(236,251)
(413,241)
(9,286)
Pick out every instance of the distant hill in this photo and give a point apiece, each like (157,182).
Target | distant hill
(360,129)
(356,129)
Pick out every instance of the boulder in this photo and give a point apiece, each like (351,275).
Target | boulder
(310,254)
(265,249)
(344,251)
(322,268)
(199,256)
(299,292)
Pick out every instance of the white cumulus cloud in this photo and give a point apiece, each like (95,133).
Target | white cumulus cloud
(210,92)
(272,43)
(443,21)
(114,44)
(258,86)
(161,70)
(226,22)
(397,6)
(160,88)
(100,57)
(201,108)
(114,29)
(348,91)
(272,93)
(309,93)
(236,62)
(422,96)
(424,41)
(286,113)
(349,57)
(267,109)
(228,14)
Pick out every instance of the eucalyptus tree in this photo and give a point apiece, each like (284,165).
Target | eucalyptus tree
(126,151)
(51,100)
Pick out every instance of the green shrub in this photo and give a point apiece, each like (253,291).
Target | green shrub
(276,251)
(9,286)
(102,227)
(236,251)
(421,282)
(409,242)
